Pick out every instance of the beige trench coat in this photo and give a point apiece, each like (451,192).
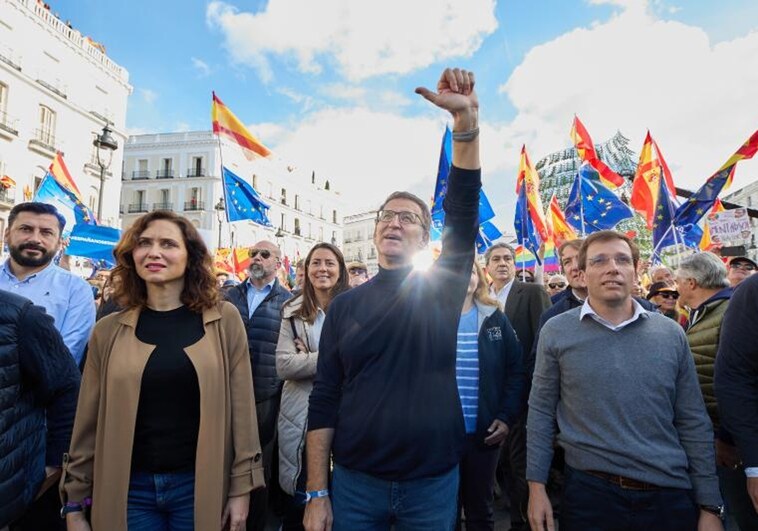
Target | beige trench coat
(228,461)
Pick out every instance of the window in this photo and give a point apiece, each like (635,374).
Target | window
(313,177)
(165,198)
(139,197)
(3,101)
(297,202)
(195,195)
(197,167)
(283,223)
(46,131)
(255,182)
(310,230)
(297,226)
(334,217)
(284,196)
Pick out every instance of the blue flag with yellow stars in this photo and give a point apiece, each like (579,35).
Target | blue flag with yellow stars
(666,230)
(242,201)
(600,207)
(488,233)
(525,232)
(51,192)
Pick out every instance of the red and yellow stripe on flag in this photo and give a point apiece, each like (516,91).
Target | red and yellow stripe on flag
(6,182)
(241,260)
(646,186)
(222,261)
(528,177)
(60,173)
(746,151)
(562,231)
(706,243)
(586,150)
(227,124)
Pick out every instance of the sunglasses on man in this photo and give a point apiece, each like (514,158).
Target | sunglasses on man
(559,285)
(742,265)
(265,253)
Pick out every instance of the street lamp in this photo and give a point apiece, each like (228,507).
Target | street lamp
(104,143)
(220,207)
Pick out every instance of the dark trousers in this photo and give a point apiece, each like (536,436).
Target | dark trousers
(293,507)
(44,513)
(514,453)
(595,504)
(477,481)
(260,499)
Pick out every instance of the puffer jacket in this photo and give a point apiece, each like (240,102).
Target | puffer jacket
(703,336)
(39,383)
(262,335)
(298,370)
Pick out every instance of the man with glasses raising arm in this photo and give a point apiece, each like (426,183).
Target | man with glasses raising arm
(622,390)
(385,399)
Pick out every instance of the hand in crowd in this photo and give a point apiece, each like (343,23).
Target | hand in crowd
(455,92)
(498,430)
(235,512)
(77,522)
(300,345)
(709,522)
(752,490)
(540,510)
(318,515)
(726,455)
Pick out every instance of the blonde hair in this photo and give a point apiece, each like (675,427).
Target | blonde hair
(482,293)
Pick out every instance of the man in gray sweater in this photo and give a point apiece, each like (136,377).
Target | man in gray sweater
(622,389)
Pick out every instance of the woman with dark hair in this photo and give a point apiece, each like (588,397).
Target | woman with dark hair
(490,383)
(296,355)
(165,435)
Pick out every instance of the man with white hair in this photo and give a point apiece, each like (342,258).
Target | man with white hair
(704,288)
(661,273)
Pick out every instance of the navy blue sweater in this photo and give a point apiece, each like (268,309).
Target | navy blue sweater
(386,369)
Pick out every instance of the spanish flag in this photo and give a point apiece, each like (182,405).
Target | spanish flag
(586,150)
(529,178)
(562,231)
(227,124)
(6,182)
(60,173)
(705,242)
(646,180)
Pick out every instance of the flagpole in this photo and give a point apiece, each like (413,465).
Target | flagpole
(223,190)
(663,238)
(581,201)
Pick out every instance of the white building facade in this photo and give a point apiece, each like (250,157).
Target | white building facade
(359,240)
(58,89)
(181,172)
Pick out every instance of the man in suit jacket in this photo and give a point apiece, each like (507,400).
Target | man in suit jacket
(523,303)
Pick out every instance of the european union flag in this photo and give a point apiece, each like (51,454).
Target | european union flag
(525,233)
(242,201)
(70,207)
(488,233)
(666,231)
(589,199)
(446,160)
(699,203)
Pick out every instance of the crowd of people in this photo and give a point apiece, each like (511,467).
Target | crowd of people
(187,400)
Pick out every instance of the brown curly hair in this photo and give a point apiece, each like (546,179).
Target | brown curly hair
(200,288)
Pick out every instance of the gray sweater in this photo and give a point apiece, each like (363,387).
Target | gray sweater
(625,402)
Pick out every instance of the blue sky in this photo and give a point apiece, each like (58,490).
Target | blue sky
(337,95)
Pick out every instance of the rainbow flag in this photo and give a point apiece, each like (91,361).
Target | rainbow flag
(586,150)
(227,124)
(60,173)
(525,259)
(531,180)
(550,261)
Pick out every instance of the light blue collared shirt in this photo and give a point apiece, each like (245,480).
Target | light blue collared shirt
(64,296)
(639,311)
(255,296)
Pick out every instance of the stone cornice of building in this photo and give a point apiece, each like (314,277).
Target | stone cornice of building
(72,38)
(361,216)
(747,190)
(95,117)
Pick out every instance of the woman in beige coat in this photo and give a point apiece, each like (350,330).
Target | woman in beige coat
(296,356)
(165,435)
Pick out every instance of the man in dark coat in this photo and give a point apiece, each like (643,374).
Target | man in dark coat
(259,300)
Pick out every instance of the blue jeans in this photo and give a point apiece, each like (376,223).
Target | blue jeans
(161,502)
(594,504)
(361,502)
(740,514)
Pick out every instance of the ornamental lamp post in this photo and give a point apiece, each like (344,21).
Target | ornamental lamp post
(219,208)
(105,143)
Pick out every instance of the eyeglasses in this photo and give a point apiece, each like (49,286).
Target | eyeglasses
(668,295)
(620,260)
(265,253)
(526,278)
(560,285)
(357,271)
(406,217)
(743,265)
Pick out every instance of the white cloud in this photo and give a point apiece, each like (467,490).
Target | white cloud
(341,91)
(182,127)
(149,96)
(365,39)
(635,72)
(201,66)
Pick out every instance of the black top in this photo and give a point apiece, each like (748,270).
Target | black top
(386,368)
(168,415)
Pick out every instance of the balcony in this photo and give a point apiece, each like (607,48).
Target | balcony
(196,172)
(140,175)
(43,142)
(8,127)
(194,206)
(8,57)
(7,197)
(55,90)
(164,174)
(163,206)
(137,208)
